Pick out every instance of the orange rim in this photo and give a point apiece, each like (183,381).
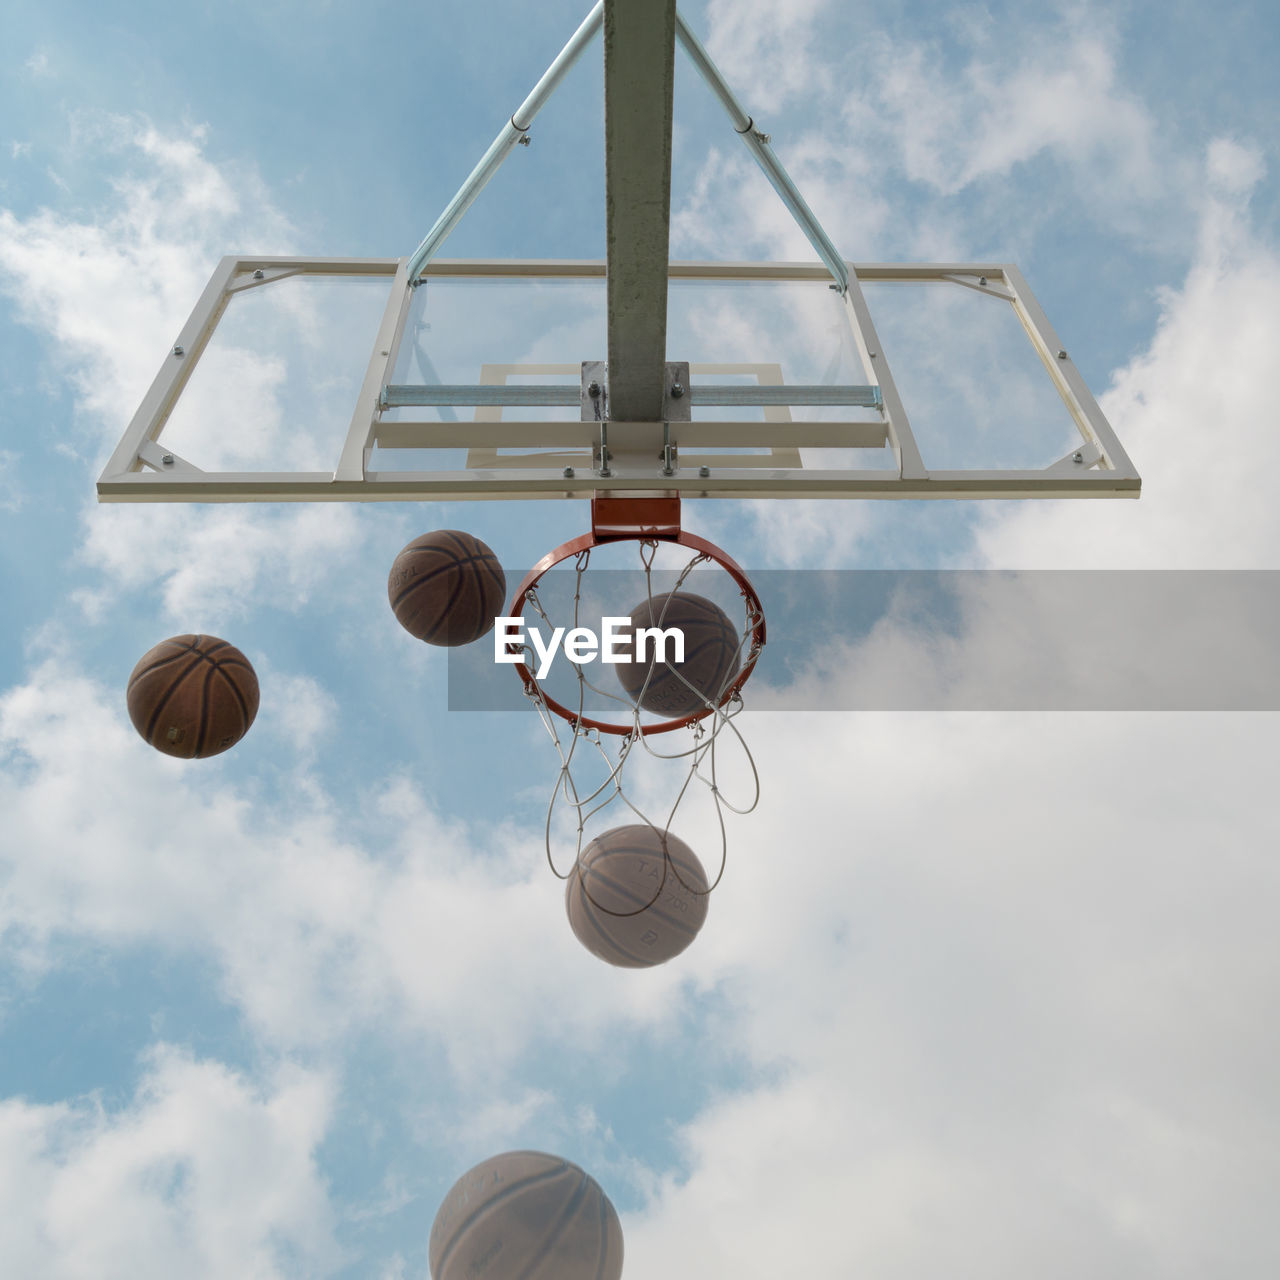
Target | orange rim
(585,542)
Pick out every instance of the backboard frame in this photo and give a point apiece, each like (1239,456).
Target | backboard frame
(617,458)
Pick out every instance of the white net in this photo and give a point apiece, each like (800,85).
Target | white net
(586,717)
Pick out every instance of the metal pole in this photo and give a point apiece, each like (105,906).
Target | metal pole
(758,143)
(514,131)
(639,82)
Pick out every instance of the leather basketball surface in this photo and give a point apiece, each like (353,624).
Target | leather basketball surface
(446,588)
(711,645)
(193,696)
(525,1215)
(634,902)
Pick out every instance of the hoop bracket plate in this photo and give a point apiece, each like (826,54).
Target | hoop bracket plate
(614,518)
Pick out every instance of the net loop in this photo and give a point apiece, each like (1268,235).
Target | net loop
(590,781)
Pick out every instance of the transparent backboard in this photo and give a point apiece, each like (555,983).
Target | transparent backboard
(305,379)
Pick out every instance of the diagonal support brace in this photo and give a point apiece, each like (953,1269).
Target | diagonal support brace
(514,131)
(758,144)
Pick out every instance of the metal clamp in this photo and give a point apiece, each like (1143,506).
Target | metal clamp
(604,468)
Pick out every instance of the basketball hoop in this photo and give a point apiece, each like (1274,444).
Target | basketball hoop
(648,524)
(704,553)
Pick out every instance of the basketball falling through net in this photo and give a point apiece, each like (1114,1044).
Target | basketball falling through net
(636,894)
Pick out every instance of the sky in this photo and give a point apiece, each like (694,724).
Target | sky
(982,992)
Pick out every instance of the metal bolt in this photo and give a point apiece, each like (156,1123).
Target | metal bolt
(568,473)
(764,137)
(177,349)
(593,390)
(677,390)
(525,139)
(167,459)
(1062,355)
(704,472)
(1077,456)
(872,354)
(257,275)
(982,280)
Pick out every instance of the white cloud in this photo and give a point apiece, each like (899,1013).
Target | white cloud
(10,490)
(1018,1033)
(1042,1035)
(499,1122)
(425,934)
(764,47)
(111,291)
(1194,410)
(1007,978)
(1035,1044)
(1012,100)
(214,566)
(732,210)
(1234,168)
(203,1174)
(903,130)
(300,710)
(796,533)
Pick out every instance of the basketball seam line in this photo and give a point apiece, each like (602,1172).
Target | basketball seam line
(217,665)
(570,1209)
(456,563)
(202,721)
(499,574)
(651,909)
(193,648)
(473,554)
(466,544)
(602,1252)
(433,632)
(593,913)
(161,662)
(511,1189)
(661,666)
(220,668)
(589,912)
(206,654)
(676,855)
(163,702)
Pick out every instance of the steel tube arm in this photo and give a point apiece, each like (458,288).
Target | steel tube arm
(768,162)
(511,133)
(405,396)
(639,84)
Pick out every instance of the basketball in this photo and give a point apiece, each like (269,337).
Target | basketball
(711,647)
(524,1215)
(193,696)
(636,900)
(446,588)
